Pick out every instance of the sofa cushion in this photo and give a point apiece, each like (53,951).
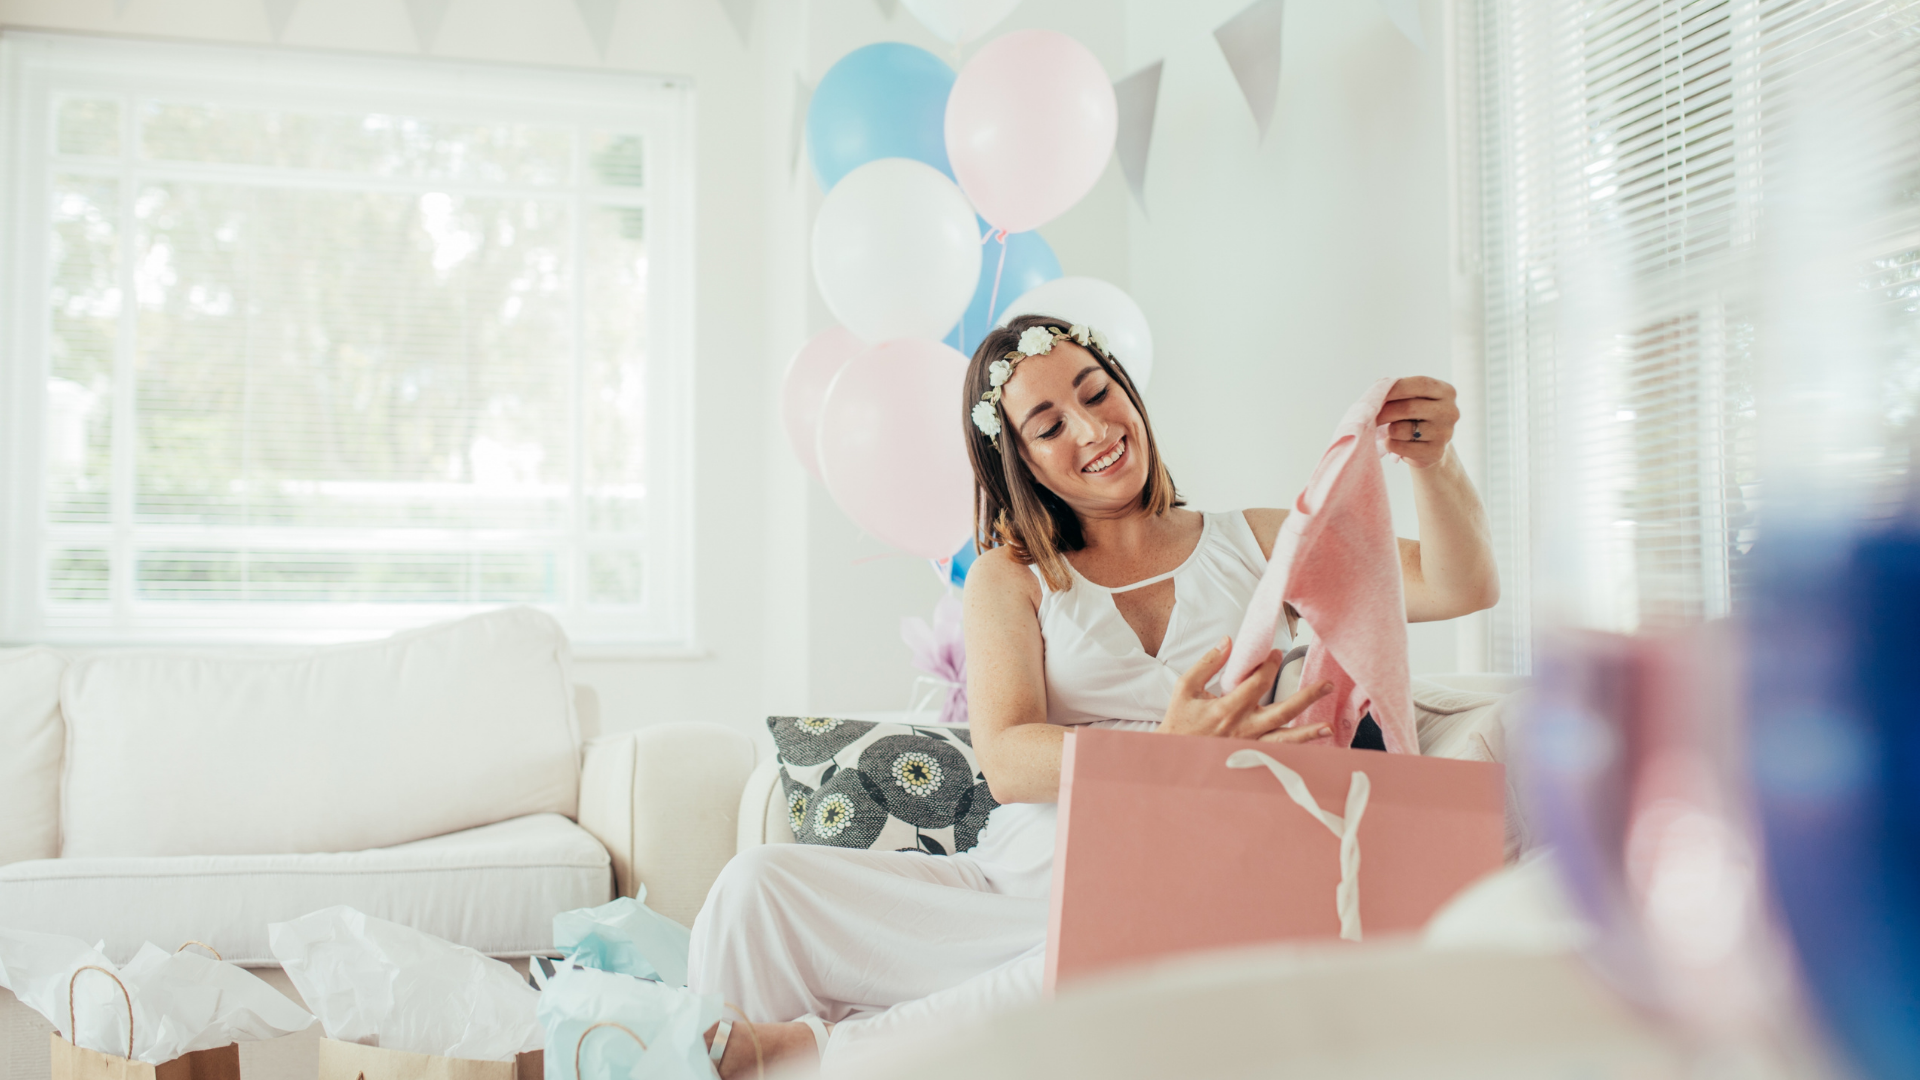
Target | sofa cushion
(884,787)
(32,740)
(335,749)
(495,889)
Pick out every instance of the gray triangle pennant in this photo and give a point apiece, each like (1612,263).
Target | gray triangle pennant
(887,8)
(1405,14)
(1251,43)
(1138,97)
(598,16)
(740,14)
(802,95)
(279,13)
(427,15)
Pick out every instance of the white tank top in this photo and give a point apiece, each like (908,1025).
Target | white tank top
(1096,668)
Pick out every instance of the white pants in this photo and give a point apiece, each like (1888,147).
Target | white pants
(879,942)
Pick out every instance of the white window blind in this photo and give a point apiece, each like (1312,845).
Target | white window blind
(307,346)
(1653,177)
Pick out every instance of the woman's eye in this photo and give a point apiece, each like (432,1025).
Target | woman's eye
(1099,397)
(1054,430)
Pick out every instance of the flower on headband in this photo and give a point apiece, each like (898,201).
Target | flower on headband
(1036,341)
(999,372)
(1100,340)
(987,419)
(1081,334)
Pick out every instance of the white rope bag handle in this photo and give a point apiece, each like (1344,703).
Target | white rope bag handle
(1346,895)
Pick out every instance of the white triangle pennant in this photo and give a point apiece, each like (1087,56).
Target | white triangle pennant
(598,16)
(427,15)
(1405,14)
(887,7)
(740,14)
(1138,97)
(1251,44)
(802,95)
(279,13)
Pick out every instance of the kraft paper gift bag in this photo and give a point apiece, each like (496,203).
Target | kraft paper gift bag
(72,1062)
(1170,844)
(352,1061)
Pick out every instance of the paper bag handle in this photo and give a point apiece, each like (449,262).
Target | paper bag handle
(71,1023)
(204,945)
(759,1060)
(589,1031)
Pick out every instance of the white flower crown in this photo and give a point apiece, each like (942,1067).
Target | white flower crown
(1034,341)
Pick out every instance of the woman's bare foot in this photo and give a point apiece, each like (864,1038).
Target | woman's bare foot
(779,1044)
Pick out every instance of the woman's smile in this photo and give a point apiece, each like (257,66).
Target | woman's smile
(1114,455)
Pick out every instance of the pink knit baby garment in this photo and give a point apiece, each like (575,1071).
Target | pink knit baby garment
(1337,562)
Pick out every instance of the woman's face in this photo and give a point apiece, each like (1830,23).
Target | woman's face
(1078,431)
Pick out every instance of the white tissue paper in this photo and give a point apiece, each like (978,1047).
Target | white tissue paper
(382,984)
(625,936)
(673,1021)
(182,1002)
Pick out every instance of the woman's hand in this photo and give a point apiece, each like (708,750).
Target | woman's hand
(1422,413)
(1237,713)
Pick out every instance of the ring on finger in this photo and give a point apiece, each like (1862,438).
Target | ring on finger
(1416,431)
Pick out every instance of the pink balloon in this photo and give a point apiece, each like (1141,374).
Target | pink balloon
(809,374)
(891,447)
(1030,124)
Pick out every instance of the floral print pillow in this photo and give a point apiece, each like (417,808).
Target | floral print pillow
(882,787)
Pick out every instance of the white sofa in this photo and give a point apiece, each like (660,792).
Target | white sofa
(445,778)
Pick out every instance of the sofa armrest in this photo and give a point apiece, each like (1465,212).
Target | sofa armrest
(663,801)
(763,809)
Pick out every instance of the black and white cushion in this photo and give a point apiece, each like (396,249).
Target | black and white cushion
(882,787)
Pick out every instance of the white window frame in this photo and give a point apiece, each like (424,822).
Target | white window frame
(35,67)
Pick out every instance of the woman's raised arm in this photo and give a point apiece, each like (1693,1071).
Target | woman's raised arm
(1449,572)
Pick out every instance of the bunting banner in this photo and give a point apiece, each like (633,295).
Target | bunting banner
(740,14)
(427,15)
(887,8)
(1138,98)
(279,13)
(598,17)
(1405,14)
(1251,43)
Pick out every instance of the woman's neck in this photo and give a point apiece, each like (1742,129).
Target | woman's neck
(1135,531)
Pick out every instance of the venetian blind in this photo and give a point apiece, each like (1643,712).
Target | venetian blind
(1659,180)
(328,346)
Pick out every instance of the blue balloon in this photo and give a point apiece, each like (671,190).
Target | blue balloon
(879,101)
(962,562)
(1030,263)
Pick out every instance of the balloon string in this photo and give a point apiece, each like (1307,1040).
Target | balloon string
(993,299)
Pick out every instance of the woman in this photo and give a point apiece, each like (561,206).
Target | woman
(1106,602)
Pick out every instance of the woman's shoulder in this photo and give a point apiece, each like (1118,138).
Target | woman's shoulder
(997,573)
(1265,523)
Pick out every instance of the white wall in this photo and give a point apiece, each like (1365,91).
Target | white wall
(1282,276)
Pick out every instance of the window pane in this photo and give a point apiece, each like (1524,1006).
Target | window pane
(615,280)
(77,576)
(447,577)
(412,375)
(618,160)
(377,144)
(88,126)
(84,309)
(614,577)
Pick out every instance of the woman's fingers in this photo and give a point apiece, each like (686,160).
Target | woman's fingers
(1297,734)
(1194,683)
(1281,713)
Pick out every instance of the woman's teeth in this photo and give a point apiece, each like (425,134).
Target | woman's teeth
(1110,457)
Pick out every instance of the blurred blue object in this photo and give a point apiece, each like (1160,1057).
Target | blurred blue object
(1836,766)
(1030,264)
(627,937)
(962,562)
(879,101)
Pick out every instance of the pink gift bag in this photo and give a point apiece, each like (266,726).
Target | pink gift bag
(1172,843)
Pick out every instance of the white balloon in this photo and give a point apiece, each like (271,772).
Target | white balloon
(1105,307)
(896,251)
(960,21)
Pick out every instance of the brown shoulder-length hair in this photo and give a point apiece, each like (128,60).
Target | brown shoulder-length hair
(1014,508)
